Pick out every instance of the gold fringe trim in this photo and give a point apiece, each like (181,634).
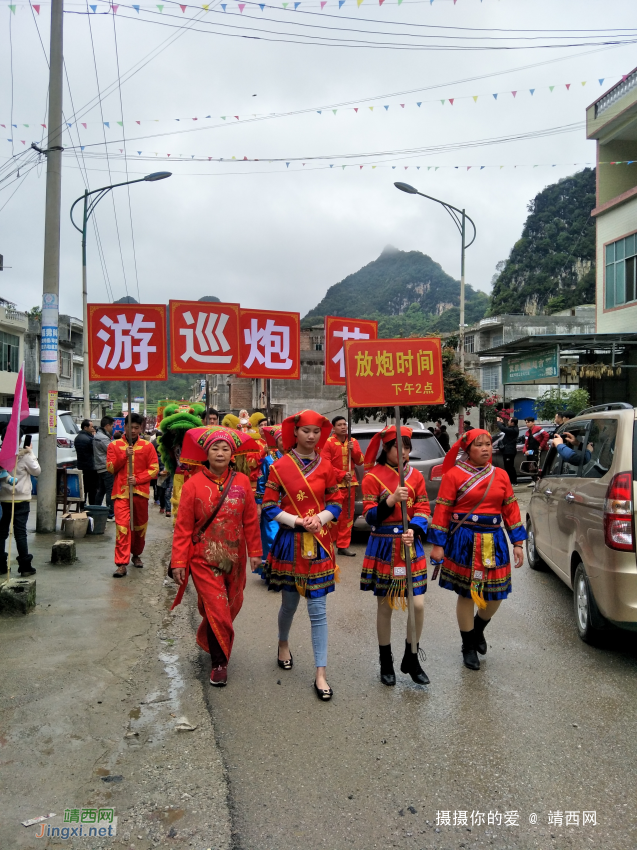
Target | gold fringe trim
(396,598)
(477,595)
(337,573)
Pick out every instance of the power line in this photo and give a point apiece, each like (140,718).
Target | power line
(119,242)
(130,210)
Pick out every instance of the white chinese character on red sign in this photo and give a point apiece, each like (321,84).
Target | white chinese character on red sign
(125,333)
(209,339)
(346,334)
(275,342)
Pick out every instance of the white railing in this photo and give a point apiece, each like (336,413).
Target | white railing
(616,93)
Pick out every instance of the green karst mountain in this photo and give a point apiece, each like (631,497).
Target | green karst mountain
(406,291)
(552,266)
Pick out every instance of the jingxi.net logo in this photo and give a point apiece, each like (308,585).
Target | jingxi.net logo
(82,823)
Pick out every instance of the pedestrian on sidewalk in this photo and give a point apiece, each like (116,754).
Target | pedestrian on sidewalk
(216,524)
(384,571)
(269,527)
(468,539)
(443,438)
(18,495)
(509,445)
(338,450)
(101,441)
(302,496)
(86,460)
(145,467)
(536,441)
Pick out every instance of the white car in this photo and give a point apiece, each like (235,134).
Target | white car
(66,433)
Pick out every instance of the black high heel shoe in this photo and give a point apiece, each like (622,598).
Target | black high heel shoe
(285,665)
(324,696)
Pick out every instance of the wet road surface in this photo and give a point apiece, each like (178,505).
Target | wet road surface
(548,725)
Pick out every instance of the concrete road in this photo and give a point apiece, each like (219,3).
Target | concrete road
(549,725)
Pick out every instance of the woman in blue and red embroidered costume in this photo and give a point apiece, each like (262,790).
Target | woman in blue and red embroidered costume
(474,497)
(384,571)
(301,494)
(274,443)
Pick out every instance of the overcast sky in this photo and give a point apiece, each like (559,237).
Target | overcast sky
(272,236)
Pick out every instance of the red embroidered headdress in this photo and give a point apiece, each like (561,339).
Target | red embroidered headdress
(461,445)
(272,434)
(197,441)
(305,417)
(385,436)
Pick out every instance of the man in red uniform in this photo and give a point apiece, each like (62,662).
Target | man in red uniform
(336,451)
(145,467)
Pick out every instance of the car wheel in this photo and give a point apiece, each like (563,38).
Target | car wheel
(532,555)
(586,612)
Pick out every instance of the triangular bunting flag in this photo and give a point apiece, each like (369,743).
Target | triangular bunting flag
(94,8)
(82,147)
(442,101)
(121,123)
(223,117)
(224,6)
(84,125)
(386,108)
(356,109)
(331,166)
(342,166)
(183,8)
(373,166)
(360,166)
(205,8)
(114,8)
(402,105)
(602,80)
(237,117)
(568,85)
(136,8)
(380,2)
(495,97)
(584,82)
(551,88)
(296,5)
(334,111)
(532,91)
(481,167)
(323,4)
(161,8)
(419,103)
(12,9)
(107,124)
(371,108)
(287,164)
(475,97)
(241,7)
(358,3)
(139,153)
(451,100)
(37,9)
(514,93)
(320,111)
(340,3)
(285,5)
(468,168)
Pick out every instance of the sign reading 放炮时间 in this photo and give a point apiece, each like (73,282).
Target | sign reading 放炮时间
(540,365)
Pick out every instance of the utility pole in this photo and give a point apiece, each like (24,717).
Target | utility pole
(47,450)
(461,412)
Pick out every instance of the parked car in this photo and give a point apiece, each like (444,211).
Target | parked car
(66,432)
(581,520)
(426,455)
(520,457)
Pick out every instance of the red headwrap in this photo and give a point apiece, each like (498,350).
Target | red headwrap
(385,436)
(197,441)
(305,417)
(272,434)
(461,445)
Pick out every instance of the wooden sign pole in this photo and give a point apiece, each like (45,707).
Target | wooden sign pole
(130,459)
(411,616)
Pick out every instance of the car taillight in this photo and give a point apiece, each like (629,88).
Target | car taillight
(63,443)
(619,525)
(435,473)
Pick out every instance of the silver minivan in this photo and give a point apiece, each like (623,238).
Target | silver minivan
(581,520)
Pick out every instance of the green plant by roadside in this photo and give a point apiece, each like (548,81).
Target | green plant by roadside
(552,401)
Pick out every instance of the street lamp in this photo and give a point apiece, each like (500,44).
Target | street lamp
(459,219)
(88,210)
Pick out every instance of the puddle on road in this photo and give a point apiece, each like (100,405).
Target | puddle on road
(146,717)
(135,713)
(167,817)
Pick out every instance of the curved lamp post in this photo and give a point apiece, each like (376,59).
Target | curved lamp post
(459,218)
(88,209)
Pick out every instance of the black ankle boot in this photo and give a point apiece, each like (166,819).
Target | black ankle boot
(411,665)
(387,675)
(469,654)
(479,625)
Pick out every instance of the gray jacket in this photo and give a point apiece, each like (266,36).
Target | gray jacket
(100,445)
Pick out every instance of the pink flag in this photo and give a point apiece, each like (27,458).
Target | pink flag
(20,411)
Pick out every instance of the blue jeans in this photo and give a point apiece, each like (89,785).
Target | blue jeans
(317,610)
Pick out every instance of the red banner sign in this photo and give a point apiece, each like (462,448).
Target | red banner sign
(270,344)
(387,372)
(337,332)
(204,337)
(127,342)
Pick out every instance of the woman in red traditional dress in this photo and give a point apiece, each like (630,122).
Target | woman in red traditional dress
(215,551)
(301,494)
(469,542)
(384,571)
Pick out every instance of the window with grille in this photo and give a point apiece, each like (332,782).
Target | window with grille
(491,377)
(469,342)
(77,377)
(9,352)
(621,271)
(65,364)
